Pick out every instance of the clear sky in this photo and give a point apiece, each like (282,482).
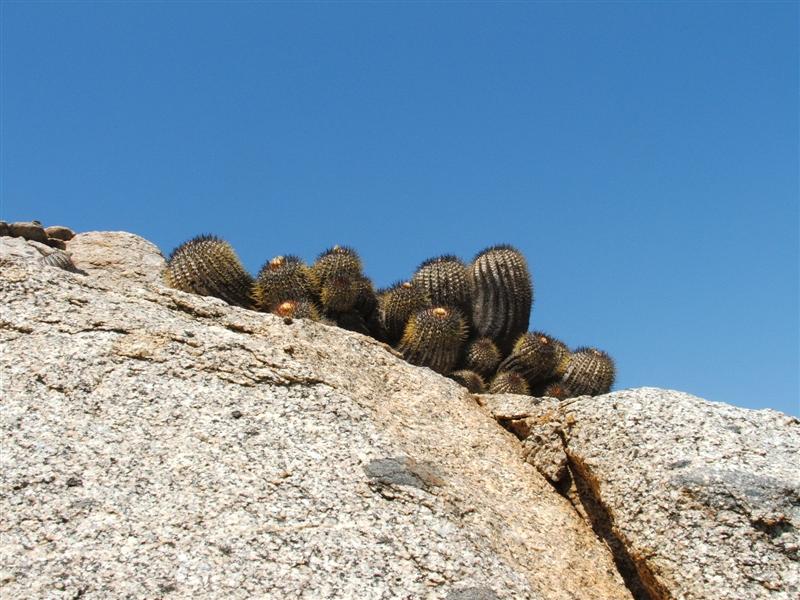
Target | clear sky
(643,155)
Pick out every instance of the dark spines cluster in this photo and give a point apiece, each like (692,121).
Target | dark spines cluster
(397,304)
(533,356)
(467,322)
(433,338)
(281,279)
(482,356)
(337,275)
(502,295)
(509,382)
(590,372)
(208,266)
(446,281)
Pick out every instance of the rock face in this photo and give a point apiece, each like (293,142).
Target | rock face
(159,444)
(698,499)
(156,443)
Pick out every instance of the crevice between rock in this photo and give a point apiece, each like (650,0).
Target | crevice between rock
(579,486)
(581,489)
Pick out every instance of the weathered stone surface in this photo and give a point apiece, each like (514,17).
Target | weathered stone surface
(124,255)
(17,248)
(29,230)
(702,498)
(59,232)
(156,443)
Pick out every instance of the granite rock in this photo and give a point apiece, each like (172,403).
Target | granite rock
(160,444)
(697,499)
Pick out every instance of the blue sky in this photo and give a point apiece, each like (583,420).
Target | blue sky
(643,156)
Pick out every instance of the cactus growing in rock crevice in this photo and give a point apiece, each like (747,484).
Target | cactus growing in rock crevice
(427,319)
(502,295)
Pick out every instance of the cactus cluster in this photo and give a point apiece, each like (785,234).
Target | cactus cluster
(467,321)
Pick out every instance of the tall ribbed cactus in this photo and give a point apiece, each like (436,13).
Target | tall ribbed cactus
(502,295)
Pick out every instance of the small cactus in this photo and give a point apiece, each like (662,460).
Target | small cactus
(552,389)
(208,266)
(433,338)
(590,372)
(470,380)
(397,304)
(339,261)
(509,382)
(282,278)
(482,356)
(534,356)
(446,280)
(502,295)
(337,275)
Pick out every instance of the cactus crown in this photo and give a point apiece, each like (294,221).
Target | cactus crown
(433,337)
(470,380)
(534,356)
(509,382)
(283,278)
(446,281)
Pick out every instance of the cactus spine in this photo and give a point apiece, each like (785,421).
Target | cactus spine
(590,372)
(509,382)
(482,356)
(446,281)
(534,356)
(208,266)
(433,338)
(280,279)
(470,380)
(397,304)
(502,295)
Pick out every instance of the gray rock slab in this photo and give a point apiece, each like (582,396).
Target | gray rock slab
(702,497)
(159,444)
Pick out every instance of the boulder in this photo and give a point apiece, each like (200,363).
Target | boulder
(697,499)
(157,444)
